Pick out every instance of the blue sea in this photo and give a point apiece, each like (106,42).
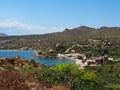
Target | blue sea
(28,54)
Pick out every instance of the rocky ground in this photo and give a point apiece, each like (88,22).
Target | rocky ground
(11,77)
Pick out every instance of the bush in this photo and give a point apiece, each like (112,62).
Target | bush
(28,70)
(68,75)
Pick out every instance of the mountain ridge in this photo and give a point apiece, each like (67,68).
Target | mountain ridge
(79,34)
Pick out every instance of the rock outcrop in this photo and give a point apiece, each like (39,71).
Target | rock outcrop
(17,62)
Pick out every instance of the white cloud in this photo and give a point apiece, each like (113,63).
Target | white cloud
(14,25)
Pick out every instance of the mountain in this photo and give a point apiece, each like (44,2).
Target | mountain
(88,32)
(79,35)
(3,35)
(85,32)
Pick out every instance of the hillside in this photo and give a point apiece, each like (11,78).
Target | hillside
(79,35)
(22,74)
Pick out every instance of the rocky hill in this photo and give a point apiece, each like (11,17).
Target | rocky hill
(79,34)
(88,32)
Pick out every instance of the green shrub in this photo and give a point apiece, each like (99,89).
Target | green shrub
(28,70)
(68,75)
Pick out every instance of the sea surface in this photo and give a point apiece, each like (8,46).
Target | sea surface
(29,54)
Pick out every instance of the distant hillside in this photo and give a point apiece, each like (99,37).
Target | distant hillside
(79,34)
(3,35)
(88,32)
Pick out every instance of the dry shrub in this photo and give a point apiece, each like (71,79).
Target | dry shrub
(12,80)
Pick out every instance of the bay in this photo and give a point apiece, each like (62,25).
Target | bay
(28,54)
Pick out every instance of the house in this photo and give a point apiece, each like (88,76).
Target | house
(91,62)
(50,50)
(110,59)
(60,55)
(73,51)
(73,55)
(84,57)
(102,60)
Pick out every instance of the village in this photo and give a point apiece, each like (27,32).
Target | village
(82,61)
(93,53)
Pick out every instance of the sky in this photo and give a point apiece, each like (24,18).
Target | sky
(24,17)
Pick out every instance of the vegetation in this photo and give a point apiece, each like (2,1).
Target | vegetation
(108,74)
(68,75)
(21,74)
(85,40)
(62,76)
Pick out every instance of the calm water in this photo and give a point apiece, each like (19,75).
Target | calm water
(28,54)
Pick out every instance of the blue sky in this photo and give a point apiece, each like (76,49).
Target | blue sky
(19,17)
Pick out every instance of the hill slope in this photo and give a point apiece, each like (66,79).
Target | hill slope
(79,34)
